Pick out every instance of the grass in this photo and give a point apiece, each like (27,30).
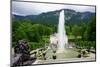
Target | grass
(73,37)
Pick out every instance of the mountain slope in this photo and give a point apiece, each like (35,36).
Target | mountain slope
(71,16)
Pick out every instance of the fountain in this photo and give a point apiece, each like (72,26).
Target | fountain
(62,38)
(59,40)
(59,50)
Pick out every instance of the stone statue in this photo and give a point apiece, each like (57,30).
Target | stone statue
(22,53)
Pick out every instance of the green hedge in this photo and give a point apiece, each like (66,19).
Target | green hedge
(74,40)
(85,44)
(32,45)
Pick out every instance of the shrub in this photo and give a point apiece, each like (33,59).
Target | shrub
(85,44)
(33,45)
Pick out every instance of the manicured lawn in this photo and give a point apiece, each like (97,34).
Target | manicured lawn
(73,37)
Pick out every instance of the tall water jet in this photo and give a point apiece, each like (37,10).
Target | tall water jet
(62,38)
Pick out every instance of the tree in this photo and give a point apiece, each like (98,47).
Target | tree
(76,30)
(90,33)
(25,29)
(68,30)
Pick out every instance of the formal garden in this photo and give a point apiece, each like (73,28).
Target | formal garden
(50,36)
(82,37)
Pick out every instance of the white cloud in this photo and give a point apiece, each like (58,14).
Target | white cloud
(28,8)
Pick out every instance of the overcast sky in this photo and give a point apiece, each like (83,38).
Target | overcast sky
(27,8)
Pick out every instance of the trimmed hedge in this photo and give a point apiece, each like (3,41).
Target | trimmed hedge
(32,45)
(85,44)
